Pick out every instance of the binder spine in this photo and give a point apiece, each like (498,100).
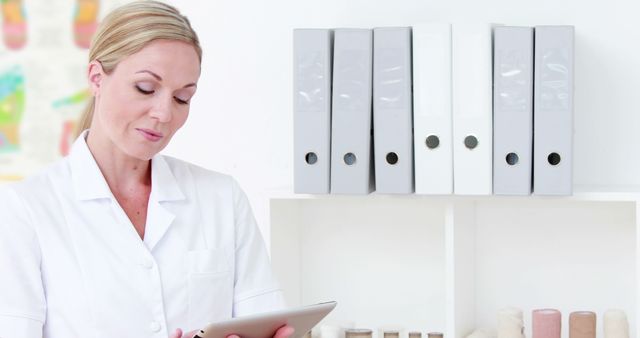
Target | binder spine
(312,110)
(513,110)
(392,113)
(553,110)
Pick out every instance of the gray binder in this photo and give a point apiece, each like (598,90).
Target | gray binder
(312,110)
(392,110)
(351,127)
(553,110)
(512,110)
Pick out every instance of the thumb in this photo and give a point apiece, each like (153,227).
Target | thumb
(285,332)
(176,334)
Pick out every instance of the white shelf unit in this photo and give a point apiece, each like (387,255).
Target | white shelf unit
(448,263)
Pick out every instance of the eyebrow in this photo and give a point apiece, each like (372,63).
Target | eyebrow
(160,78)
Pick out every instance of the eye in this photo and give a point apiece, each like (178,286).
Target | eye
(146,92)
(180,101)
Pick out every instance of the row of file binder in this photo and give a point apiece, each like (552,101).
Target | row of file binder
(470,109)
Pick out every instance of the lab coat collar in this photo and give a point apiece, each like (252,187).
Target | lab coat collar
(164,186)
(89,183)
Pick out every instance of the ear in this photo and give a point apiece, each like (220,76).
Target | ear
(96,74)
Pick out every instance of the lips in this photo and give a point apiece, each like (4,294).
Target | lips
(150,134)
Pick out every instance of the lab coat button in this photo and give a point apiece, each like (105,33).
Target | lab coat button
(154,326)
(146,263)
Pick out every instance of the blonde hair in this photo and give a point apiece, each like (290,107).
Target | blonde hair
(128,29)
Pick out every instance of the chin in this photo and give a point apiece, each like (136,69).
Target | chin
(143,153)
(143,150)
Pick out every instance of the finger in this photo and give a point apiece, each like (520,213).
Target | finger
(176,334)
(191,334)
(284,332)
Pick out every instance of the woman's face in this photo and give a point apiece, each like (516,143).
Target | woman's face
(145,100)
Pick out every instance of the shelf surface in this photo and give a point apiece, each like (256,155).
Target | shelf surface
(630,193)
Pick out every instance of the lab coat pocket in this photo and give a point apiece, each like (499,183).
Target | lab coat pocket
(210,286)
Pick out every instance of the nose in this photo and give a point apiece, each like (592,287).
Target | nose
(161,109)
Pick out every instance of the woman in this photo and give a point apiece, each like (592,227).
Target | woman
(116,240)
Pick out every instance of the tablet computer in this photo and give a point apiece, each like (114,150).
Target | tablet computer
(265,325)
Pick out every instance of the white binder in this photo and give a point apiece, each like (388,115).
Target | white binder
(432,119)
(472,109)
(512,110)
(312,53)
(392,110)
(351,124)
(553,110)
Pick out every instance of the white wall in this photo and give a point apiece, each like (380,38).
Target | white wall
(241,119)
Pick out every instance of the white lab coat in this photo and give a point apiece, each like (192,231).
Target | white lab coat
(72,264)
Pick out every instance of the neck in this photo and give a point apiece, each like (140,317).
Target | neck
(122,172)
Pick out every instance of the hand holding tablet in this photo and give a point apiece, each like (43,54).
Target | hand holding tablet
(283,332)
(276,324)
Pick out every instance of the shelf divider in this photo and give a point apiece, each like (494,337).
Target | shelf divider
(460,229)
